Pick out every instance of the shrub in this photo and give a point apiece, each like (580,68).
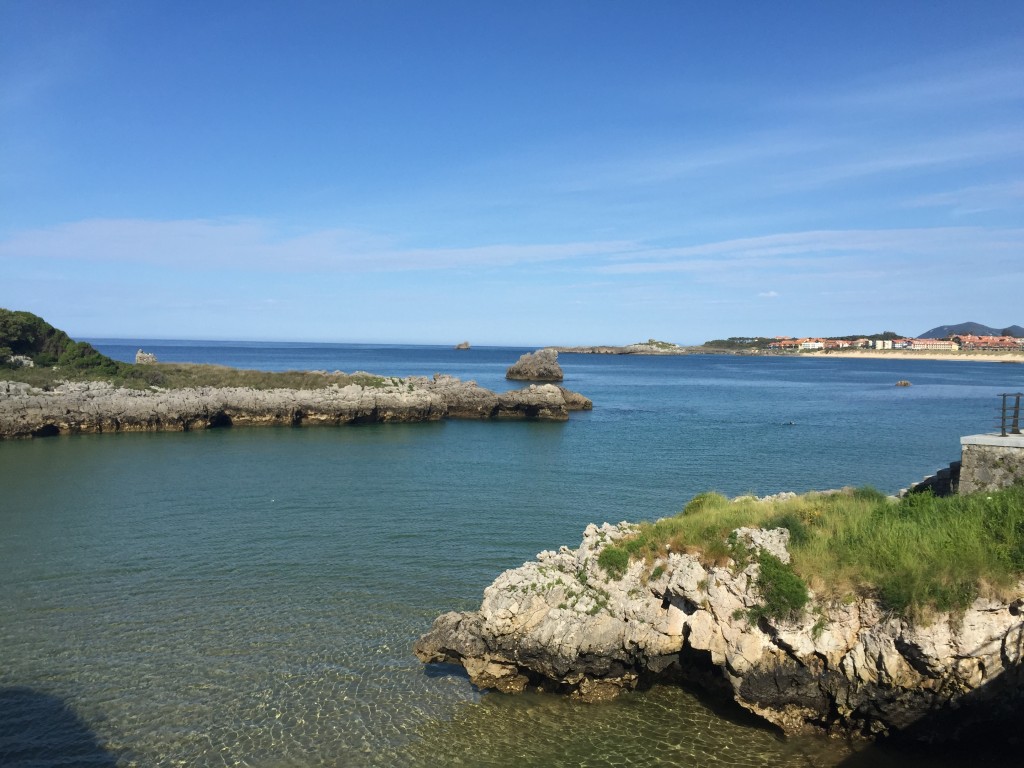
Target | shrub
(783,593)
(794,523)
(614,560)
(82,356)
(703,501)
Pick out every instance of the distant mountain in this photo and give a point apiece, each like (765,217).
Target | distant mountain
(974,329)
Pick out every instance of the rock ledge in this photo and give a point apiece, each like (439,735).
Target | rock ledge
(84,407)
(560,624)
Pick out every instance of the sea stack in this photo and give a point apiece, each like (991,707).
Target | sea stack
(541,365)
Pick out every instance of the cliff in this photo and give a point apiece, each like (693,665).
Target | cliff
(561,623)
(94,406)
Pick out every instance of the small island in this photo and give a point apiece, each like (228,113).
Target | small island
(649,347)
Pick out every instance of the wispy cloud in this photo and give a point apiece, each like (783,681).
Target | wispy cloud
(694,157)
(905,154)
(255,245)
(794,249)
(974,199)
(956,82)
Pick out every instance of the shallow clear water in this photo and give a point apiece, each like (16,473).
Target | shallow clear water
(250,596)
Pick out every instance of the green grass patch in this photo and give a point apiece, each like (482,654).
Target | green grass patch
(783,592)
(614,560)
(85,367)
(917,554)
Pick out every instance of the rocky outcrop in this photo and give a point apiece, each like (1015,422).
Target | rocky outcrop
(85,407)
(651,347)
(541,365)
(561,624)
(462,345)
(144,358)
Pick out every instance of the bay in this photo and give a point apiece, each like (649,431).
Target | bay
(250,596)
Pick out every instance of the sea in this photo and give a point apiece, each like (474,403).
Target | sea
(250,596)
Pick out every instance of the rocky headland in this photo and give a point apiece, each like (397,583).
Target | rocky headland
(651,347)
(563,623)
(98,406)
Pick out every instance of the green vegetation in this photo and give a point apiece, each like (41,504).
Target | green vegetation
(916,555)
(57,357)
(783,592)
(27,335)
(614,560)
(660,344)
(760,343)
(737,343)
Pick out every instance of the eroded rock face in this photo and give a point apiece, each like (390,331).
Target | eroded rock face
(541,365)
(560,624)
(100,407)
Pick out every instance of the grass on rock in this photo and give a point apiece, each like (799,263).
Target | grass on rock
(182,375)
(916,555)
(56,357)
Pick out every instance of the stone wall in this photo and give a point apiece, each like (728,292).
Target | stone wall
(989,462)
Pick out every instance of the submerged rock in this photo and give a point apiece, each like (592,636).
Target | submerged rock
(541,365)
(560,623)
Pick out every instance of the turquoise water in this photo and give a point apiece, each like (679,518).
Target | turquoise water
(249,597)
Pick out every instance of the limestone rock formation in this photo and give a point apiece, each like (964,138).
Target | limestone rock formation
(541,365)
(144,358)
(561,624)
(462,345)
(101,407)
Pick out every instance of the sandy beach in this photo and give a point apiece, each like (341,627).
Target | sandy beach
(908,354)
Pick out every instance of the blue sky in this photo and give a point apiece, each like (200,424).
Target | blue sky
(511,173)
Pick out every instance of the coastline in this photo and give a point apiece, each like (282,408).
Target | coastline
(904,354)
(860,354)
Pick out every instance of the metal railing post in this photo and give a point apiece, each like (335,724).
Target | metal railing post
(1009,415)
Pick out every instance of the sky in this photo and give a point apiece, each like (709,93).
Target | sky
(527,173)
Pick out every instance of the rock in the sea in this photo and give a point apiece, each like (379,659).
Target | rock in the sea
(84,407)
(462,345)
(541,365)
(144,358)
(560,623)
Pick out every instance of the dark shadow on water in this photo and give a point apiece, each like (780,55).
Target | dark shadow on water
(435,671)
(42,731)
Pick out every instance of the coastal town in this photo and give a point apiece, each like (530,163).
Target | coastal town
(964,342)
